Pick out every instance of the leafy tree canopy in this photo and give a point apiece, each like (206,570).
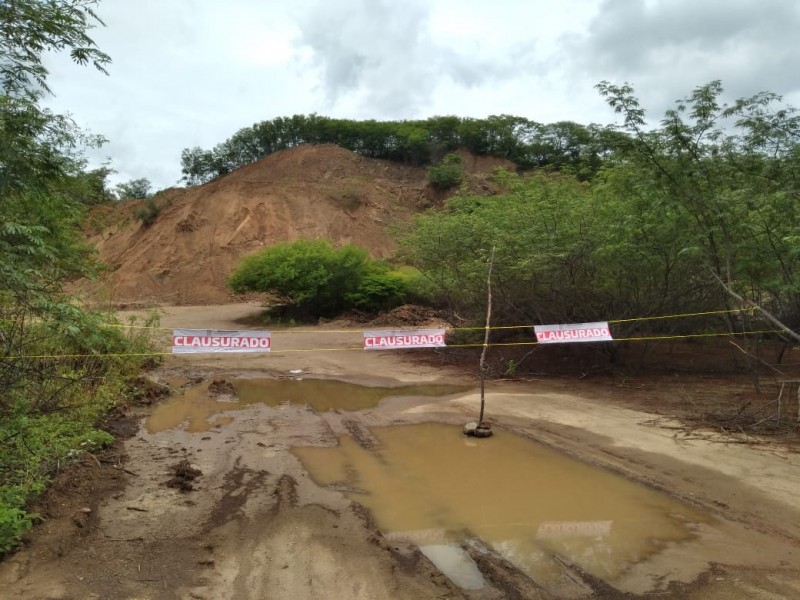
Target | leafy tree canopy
(29,28)
(710,194)
(520,140)
(316,279)
(134,189)
(731,173)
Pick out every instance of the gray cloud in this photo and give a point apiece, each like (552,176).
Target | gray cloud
(383,52)
(668,47)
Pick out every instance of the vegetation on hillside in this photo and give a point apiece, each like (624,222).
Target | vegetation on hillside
(59,364)
(525,142)
(135,189)
(447,173)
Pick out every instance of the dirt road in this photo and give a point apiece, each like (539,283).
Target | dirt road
(241,518)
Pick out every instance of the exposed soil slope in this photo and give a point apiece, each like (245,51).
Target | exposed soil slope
(309,191)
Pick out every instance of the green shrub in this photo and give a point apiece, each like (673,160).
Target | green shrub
(418,288)
(315,279)
(310,275)
(14,522)
(448,173)
(379,291)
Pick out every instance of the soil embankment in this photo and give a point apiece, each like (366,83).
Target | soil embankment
(199,235)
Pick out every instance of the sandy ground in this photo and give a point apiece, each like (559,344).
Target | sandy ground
(256,526)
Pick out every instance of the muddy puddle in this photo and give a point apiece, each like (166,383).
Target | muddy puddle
(430,485)
(198,407)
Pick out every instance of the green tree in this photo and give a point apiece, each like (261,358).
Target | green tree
(29,28)
(730,173)
(197,166)
(48,407)
(711,195)
(134,189)
(91,187)
(565,251)
(544,231)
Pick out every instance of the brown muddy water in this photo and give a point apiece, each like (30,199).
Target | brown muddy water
(196,407)
(430,485)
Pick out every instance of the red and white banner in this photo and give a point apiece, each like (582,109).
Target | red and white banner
(573,332)
(396,339)
(199,341)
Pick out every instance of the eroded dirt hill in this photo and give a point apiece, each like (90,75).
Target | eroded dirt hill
(200,233)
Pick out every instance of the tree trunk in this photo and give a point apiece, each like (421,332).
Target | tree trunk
(482,366)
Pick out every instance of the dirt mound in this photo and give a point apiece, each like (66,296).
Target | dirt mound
(411,315)
(184,475)
(200,233)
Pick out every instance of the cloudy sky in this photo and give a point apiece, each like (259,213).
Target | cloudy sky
(192,72)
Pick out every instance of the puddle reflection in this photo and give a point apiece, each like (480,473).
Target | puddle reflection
(430,485)
(195,406)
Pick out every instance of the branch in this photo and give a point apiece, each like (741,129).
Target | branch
(753,356)
(765,313)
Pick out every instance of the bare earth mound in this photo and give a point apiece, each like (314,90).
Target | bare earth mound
(200,233)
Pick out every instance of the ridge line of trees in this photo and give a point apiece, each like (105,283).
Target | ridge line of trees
(417,142)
